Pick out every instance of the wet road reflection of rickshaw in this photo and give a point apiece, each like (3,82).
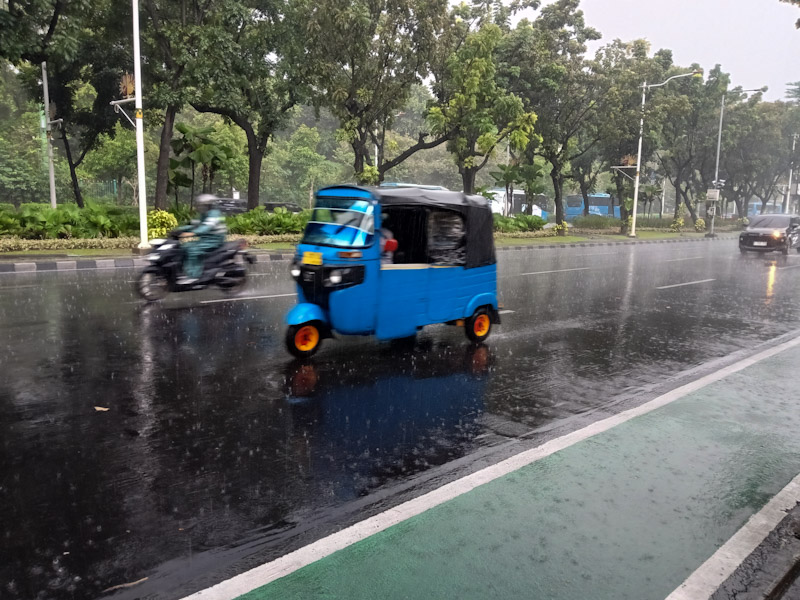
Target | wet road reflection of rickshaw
(364,429)
(389,261)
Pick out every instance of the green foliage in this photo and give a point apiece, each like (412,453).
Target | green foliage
(596,222)
(677,224)
(160,223)
(260,222)
(518,223)
(183,213)
(700,225)
(560,229)
(39,221)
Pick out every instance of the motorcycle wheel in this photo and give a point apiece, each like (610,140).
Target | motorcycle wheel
(152,285)
(238,283)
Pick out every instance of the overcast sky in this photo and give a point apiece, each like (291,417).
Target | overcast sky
(754,40)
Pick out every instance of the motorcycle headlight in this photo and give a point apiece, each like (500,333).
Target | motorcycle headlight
(153,256)
(157,242)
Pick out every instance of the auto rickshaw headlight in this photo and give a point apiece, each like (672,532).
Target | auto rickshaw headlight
(335,277)
(295,270)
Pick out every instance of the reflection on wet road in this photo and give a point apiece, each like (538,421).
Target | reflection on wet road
(180,443)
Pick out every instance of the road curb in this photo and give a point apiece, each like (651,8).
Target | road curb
(133,263)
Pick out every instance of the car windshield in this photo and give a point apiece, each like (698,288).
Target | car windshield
(769,222)
(348,222)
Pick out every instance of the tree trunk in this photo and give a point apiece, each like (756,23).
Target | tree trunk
(585,193)
(623,210)
(76,188)
(162,171)
(468,178)
(689,206)
(558,188)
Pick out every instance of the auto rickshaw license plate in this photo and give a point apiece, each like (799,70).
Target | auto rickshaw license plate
(312,258)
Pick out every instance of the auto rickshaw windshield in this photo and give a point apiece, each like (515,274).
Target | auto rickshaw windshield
(347,222)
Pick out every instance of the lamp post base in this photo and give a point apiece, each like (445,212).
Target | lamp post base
(711,235)
(631,235)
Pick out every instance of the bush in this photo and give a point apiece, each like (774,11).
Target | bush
(261,222)
(518,223)
(677,224)
(596,222)
(653,222)
(159,223)
(700,225)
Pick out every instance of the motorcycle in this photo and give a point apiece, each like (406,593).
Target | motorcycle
(224,268)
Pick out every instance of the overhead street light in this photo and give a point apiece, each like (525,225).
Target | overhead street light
(645,87)
(720,183)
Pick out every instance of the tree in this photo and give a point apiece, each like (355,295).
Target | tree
(689,126)
(544,63)
(479,114)
(624,66)
(197,148)
(252,70)
(366,73)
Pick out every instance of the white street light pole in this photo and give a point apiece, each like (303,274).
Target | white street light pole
(646,87)
(49,129)
(137,82)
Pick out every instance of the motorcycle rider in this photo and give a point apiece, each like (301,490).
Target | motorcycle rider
(209,231)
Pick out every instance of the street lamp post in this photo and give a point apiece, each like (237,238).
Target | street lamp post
(646,87)
(787,199)
(137,80)
(717,183)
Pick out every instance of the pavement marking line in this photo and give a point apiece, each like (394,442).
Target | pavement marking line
(680,259)
(597,254)
(280,567)
(505,311)
(674,285)
(716,570)
(246,298)
(792,267)
(557,271)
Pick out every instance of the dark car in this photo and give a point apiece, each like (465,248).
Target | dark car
(235,206)
(769,233)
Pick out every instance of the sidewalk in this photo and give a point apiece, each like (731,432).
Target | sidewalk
(630,511)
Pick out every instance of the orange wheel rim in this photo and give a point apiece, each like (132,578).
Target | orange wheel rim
(481,325)
(306,338)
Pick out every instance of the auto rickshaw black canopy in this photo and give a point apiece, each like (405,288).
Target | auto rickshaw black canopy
(475,209)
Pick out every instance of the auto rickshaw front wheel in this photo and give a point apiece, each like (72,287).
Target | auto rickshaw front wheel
(479,325)
(303,340)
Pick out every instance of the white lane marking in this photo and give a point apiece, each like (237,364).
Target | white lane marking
(557,271)
(674,285)
(680,259)
(505,311)
(597,254)
(246,298)
(713,573)
(280,567)
(792,267)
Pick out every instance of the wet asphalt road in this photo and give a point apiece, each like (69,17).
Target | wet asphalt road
(180,443)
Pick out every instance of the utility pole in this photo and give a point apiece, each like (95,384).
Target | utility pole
(49,128)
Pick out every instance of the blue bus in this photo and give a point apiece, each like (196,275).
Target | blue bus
(599,204)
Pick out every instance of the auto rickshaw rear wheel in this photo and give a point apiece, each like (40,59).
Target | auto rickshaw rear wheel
(479,325)
(303,340)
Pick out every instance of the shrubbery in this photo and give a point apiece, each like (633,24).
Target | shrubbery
(39,221)
(700,225)
(518,223)
(160,223)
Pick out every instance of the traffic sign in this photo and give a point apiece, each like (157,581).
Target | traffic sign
(712,195)
(126,85)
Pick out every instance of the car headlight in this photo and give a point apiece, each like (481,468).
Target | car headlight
(777,234)
(335,277)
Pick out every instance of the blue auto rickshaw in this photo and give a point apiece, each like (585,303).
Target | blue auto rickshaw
(388,261)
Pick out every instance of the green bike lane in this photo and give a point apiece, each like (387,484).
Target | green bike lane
(626,508)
